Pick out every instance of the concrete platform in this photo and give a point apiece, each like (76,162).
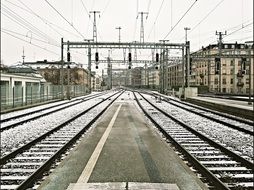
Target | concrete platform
(122,186)
(133,152)
(234,107)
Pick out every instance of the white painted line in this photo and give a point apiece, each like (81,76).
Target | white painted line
(84,177)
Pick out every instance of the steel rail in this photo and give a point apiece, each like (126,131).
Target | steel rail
(44,114)
(202,169)
(7,157)
(38,173)
(240,159)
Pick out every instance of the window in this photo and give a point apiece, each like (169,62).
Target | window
(231,81)
(216,81)
(224,81)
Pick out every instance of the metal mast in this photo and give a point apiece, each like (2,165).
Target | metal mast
(142,33)
(94,25)
(119,28)
(220,47)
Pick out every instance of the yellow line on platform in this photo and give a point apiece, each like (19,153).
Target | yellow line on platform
(84,177)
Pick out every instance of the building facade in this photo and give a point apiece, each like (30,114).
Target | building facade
(229,70)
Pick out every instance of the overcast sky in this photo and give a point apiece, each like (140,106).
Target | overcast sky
(36,25)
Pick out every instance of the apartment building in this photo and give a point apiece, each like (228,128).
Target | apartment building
(227,72)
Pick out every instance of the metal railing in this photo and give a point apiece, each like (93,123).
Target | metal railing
(18,96)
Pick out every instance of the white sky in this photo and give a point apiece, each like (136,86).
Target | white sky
(35,21)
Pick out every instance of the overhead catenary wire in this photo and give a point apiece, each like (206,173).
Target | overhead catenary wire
(238,29)
(24,23)
(156,18)
(31,38)
(52,25)
(135,26)
(203,19)
(103,11)
(30,43)
(210,12)
(64,19)
(84,7)
(222,29)
(148,6)
(39,17)
(228,34)
(180,19)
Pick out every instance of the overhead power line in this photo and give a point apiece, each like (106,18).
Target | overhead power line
(102,13)
(39,17)
(180,19)
(238,29)
(30,43)
(47,22)
(24,23)
(158,13)
(193,28)
(206,16)
(31,37)
(65,19)
(84,7)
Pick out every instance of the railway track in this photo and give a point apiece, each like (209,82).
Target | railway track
(16,120)
(21,168)
(211,114)
(220,167)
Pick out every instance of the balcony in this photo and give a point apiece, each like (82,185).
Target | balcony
(239,74)
(240,84)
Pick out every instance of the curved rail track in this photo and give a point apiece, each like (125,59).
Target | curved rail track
(21,168)
(220,167)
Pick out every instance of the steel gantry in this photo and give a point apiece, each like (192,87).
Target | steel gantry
(89,44)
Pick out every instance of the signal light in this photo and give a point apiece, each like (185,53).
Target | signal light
(68,56)
(217,65)
(243,65)
(96,56)
(129,57)
(157,57)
